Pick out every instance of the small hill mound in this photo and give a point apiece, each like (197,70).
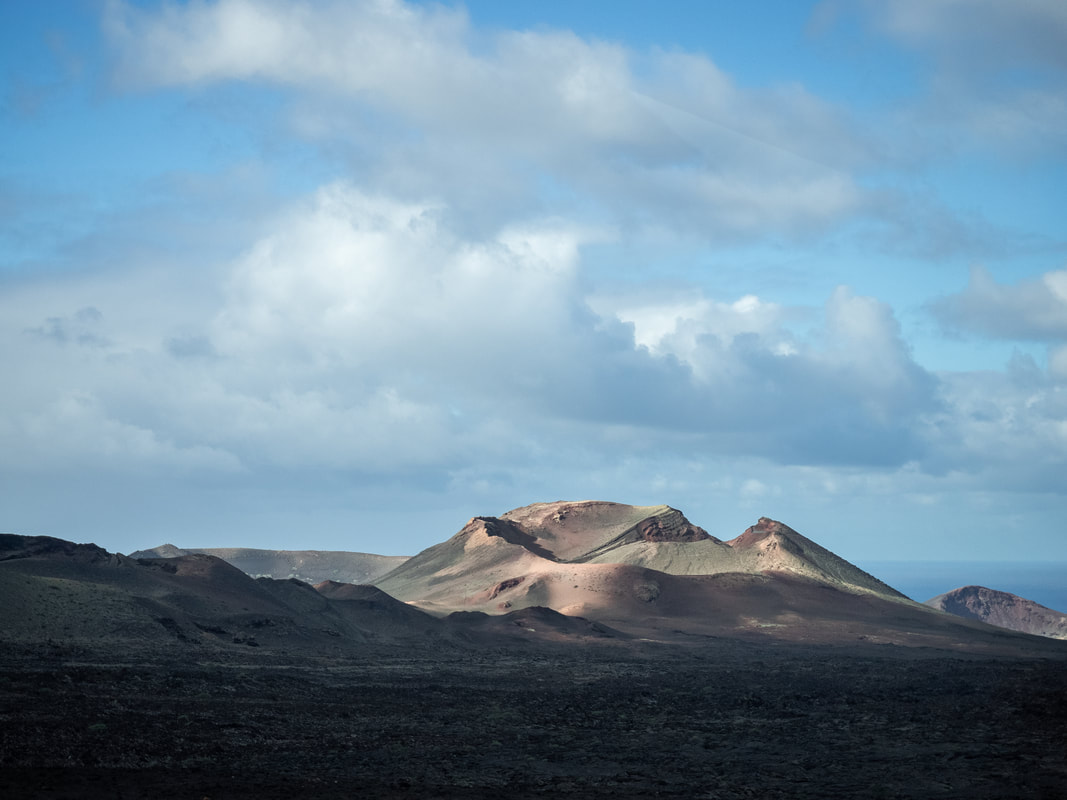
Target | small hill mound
(1003,609)
(534,624)
(13,546)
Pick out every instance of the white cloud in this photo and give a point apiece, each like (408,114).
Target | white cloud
(368,334)
(865,344)
(366,339)
(75,433)
(448,111)
(353,281)
(676,324)
(1005,431)
(1034,309)
(757,373)
(366,330)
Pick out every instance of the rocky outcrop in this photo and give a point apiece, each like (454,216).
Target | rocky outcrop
(670,527)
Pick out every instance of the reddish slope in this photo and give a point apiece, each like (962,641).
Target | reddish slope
(1002,609)
(577,556)
(594,560)
(771,546)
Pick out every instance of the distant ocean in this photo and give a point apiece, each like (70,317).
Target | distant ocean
(1043,582)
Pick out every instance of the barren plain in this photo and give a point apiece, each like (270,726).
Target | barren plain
(726,719)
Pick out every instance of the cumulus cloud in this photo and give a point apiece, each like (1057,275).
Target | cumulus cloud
(757,372)
(359,280)
(365,337)
(365,330)
(358,284)
(675,323)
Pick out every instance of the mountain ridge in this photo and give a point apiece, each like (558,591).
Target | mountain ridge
(595,570)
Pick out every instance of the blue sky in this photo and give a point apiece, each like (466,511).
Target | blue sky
(342,275)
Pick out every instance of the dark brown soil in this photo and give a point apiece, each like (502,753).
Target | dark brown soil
(729,720)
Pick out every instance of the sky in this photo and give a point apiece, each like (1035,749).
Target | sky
(341,275)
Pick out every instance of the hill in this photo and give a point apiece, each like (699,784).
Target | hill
(1002,609)
(55,590)
(309,566)
(79,595)
(649,572)
(542,574)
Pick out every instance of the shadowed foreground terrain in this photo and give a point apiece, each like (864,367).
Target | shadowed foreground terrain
(761,667)
(725,720)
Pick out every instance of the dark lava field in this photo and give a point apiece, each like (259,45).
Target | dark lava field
(727,719)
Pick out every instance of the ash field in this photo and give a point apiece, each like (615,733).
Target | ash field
(578,649)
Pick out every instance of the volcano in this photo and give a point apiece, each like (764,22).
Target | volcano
(650,572)
(1002,609)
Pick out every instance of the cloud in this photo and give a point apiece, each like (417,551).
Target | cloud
(832,393)
(984,33)
(366,346)
(421,104)
(365,333)
(79,329)
(1057,362)
(433,318)
(1034,309)
(1000,70)
(360,281)
(1006,431)
(193,346)
(74,433)
(676,324)
(415,102)
(365,286)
